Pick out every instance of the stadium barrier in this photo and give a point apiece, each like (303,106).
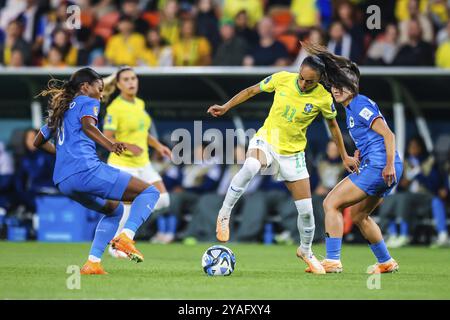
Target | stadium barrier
(184,92)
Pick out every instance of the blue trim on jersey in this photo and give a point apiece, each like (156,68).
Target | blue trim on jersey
(46,132)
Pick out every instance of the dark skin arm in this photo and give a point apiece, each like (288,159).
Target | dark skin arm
(41,143)
(351,164)
(158,146)
(134,149)
(244,95)
(89,128)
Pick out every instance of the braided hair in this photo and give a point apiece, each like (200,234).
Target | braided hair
(63,92)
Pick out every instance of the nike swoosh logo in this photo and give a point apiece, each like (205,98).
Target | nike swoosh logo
(231,187)
(149,208)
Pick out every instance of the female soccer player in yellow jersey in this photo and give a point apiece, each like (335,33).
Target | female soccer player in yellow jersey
(281,141)
(128,122)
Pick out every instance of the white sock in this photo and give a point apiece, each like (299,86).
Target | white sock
(94,259)
(130,233)
(123,220)
(239,184)
(443,236)
(163,202)
(305,224)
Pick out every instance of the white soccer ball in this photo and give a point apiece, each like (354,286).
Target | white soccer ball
(218,261)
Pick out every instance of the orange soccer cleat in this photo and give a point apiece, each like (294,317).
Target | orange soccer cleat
(123,243)
(314,265)
(330,266)
(385,267)
(92,268)
(223,229)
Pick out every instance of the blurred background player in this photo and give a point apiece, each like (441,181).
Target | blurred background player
(80,175)
(127,121)
(280,143)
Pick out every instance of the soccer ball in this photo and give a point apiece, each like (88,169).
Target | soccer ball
(218,261)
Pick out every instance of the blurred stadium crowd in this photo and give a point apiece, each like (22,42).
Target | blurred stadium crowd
(221,32)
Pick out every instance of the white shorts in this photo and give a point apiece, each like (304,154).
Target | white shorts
(147,173)
(285,167)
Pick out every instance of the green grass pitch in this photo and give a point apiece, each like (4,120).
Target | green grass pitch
(38,271)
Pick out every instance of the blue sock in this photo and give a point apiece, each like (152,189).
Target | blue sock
(404,228)
(380,251)
(439,215)
(141,208)
(392,229)
(106,228)
(161,223)
(172,224)
(333,246)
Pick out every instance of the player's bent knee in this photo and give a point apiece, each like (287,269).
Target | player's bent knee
(328,205)
(251,166)
(112,207)
(331,205)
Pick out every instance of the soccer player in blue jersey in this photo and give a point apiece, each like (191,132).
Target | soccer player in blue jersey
(80,175)
(379,172)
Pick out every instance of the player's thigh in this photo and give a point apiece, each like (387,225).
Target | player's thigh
(87,194)
(95,203)
(259,155)
(343,195)
(293,169)
(259,149)
(299,189)
(135,187)
(364,208)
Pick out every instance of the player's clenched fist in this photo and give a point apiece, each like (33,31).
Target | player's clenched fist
(118,148)
(217,111)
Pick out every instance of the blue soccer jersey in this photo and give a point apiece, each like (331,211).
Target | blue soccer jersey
(361,113)
(75,152)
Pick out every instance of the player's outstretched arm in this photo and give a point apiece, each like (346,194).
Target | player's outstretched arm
(351,164)
(134,149)
(244,95)
(89,128)
(41,143)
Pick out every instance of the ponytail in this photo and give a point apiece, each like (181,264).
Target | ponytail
(63,92)
(335,70)
(109,87)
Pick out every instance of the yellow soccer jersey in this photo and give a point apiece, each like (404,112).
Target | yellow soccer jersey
(131,123)
(292,112)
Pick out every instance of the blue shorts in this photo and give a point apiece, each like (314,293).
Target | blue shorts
(102,181)
(370,179)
